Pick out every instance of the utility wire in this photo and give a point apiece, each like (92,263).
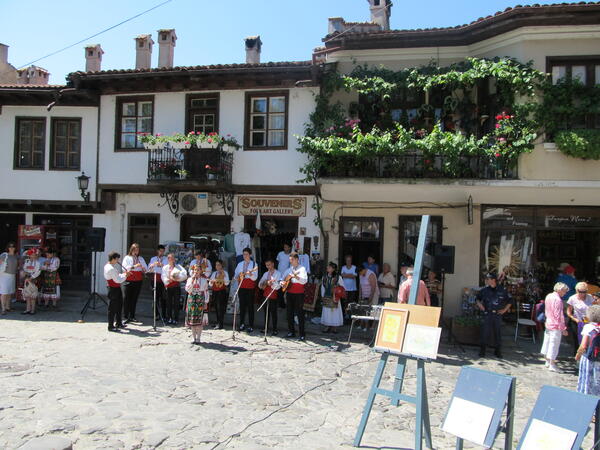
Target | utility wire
(94,35)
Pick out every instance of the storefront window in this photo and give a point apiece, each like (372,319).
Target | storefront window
(527,245)
(409,228)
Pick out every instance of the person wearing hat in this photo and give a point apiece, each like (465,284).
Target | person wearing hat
(567,276)
(494,301)
(596,296)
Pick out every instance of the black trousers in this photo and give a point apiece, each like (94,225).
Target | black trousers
(172,307)
(492,324)
(132,292)
(295,306)
(272,313)
(161,298)
(220,301)
(246,306)
(115,297)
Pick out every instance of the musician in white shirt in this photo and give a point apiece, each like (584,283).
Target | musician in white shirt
(297,277)
(270,283)
(156,265)
(114,278)
(136,267)
(172,275)
(200,260)
(218,282)
(246,273)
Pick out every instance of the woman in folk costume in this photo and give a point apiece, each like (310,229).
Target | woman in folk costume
(50,278)
(31,266)
(30,295)
(332,315)
(197,302)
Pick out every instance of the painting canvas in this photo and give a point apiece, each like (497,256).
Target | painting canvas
(390,333)
(468,420)
(421,341)
(545,436)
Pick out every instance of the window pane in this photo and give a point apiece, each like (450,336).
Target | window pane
(276,121)
(558,73)
(59,160)
(61,128)
(209,119)
(74,160)
(25,128)
(276,138)
(128,141)
(145,109)
(60,144)
(258,138)
(277,104)
(597,71)
(128,125)
(258,122)
(197,103)
(129,109)
(578,73)
(145,125)
(370,230)
(198,119)
(259,105)
(38,159)
(24,160)
(352,228)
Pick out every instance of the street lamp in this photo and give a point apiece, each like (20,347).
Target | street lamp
(83,181)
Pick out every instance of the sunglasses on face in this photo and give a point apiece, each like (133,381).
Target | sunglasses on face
(582,292)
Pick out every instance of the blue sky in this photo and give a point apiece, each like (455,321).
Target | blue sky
(209,31)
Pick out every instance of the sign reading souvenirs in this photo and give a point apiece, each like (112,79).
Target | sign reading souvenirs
(249,205)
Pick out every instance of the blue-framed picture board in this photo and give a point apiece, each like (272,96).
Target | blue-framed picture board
(477,404)
(560,419)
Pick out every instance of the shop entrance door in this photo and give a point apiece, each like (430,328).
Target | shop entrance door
(9,227)
(144,230)
(275,232)
(361,237)
(580,248)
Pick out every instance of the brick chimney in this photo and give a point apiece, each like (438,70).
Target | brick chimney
(143,51)
(166,47)
(32,75)
(3,54)
(381,10)
(253,48)
(93,58)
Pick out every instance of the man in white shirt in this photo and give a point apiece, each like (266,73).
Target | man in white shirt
(156,265)
(283,258)
(172,275)
(246,273)
(114,278)
(349,276)
(270,283)
(297,277)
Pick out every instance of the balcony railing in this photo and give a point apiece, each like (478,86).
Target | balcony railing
(420,166)
(200,165)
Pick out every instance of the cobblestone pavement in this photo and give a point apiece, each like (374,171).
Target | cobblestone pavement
(146,389)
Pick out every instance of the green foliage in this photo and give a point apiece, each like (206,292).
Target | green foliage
(584,144)
(566,105)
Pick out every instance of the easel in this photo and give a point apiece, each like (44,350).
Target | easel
(420,399)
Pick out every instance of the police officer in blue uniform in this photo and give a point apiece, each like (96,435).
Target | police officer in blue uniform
(494,301)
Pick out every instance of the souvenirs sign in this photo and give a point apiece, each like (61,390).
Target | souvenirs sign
(250,205)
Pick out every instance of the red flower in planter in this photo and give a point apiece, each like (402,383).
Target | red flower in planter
(497,155)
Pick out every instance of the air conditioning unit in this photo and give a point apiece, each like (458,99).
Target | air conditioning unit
(194,202)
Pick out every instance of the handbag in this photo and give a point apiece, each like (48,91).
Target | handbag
(339,292)
(540,313)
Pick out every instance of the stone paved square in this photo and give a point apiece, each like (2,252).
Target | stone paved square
(145,389)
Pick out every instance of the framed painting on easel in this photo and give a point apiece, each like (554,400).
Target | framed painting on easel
(390,333)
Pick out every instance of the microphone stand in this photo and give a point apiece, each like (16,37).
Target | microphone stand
(267,313)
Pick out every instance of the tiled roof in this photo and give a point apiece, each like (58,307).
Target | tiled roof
(214,67)
(32,86)
(482,21)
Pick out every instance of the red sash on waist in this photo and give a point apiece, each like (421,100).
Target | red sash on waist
(136,275)
(113,284)
(296,288)
(217,289)
(172,284)
(267,293)
(247,283)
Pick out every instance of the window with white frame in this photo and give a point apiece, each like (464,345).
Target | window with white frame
(266,121)
(135,115)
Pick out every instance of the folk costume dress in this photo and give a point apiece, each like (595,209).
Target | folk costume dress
(332,314)
(589,371)
(51,279)
(33,268)
(197,302)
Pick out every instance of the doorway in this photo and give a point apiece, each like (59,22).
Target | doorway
(144,229)
(361,237)
(275,231)
(9,228)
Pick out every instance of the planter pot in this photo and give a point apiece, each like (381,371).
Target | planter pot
(178,145)
(210,144)
(149,146)
(466,334)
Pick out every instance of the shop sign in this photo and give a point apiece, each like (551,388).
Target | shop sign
(559,220)
(249,205)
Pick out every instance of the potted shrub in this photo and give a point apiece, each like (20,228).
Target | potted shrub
(466,329)
(213,140)
(182,173)
(149,141)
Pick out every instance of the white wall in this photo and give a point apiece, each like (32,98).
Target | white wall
(250,167)
(46,184)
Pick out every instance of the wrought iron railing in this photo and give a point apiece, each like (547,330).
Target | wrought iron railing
(420,166)
(201,165)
